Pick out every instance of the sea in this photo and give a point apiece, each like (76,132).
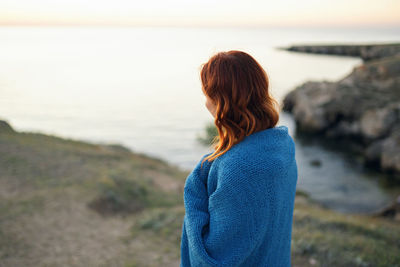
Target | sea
(140,87)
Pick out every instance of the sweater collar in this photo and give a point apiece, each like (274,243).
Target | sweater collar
(280,129)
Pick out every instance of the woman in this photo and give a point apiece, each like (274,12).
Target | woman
(239,199)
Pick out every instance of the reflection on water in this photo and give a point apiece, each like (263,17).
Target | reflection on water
(337,178)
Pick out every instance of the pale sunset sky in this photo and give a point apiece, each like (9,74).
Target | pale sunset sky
(201,12)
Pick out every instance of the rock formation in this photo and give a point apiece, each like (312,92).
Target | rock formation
(366,52)
(5,127)
(363,108)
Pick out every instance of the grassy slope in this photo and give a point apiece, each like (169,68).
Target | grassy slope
(68,203)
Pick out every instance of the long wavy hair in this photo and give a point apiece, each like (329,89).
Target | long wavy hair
(239,87)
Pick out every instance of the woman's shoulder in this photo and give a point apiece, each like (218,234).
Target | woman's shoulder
(239,162)
(261,152)
(258,155)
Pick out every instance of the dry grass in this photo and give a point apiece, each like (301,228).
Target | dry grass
(47,186)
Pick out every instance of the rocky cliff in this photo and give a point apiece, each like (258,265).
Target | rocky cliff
(361,108)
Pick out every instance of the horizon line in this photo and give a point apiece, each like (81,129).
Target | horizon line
(201,25)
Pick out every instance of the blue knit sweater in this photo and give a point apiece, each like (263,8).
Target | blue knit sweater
(239,207)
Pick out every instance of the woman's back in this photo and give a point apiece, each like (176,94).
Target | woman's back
(239,208)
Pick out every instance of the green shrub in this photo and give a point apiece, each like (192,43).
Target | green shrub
(210,133)
(120,194)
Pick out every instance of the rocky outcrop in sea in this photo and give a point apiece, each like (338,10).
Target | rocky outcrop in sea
(362,108)
(366,52)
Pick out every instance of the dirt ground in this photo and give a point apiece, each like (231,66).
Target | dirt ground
(65,232)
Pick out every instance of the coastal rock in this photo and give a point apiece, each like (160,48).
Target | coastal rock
(5,127)
(385,152)
(390,157)
(364,107)
(366,52)
(392,210)
(306,103)
(376,123)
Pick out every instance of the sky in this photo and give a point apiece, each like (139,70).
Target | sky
(201,12)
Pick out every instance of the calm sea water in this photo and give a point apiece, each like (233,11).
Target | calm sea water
(140,87)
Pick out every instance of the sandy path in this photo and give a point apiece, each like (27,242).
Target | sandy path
(67,233)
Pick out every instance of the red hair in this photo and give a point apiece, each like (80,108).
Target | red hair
(239,87)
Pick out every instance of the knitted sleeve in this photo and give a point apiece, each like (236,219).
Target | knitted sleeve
(224,229)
